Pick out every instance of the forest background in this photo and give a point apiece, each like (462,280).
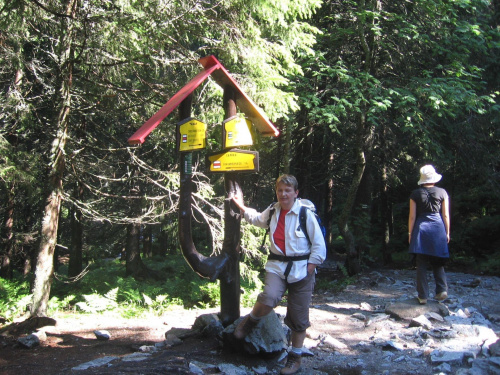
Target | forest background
(363,92)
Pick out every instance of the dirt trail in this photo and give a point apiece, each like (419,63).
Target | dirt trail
(335,315)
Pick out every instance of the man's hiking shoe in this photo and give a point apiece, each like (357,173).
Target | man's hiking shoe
(292,364)
(244,327)
(422,301)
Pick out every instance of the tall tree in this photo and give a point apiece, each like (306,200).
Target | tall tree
(65,55)
(382,70)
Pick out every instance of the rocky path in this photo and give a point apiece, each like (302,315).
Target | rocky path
(373,326)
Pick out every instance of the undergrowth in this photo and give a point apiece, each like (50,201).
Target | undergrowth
(106,288)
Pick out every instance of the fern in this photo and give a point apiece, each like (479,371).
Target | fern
(96,303)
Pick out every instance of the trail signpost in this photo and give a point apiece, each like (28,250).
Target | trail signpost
(191,136)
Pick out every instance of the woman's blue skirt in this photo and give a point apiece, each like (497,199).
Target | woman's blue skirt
(429,236)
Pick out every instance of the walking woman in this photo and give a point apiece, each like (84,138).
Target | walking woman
(429,233)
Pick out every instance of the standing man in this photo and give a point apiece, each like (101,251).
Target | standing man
(291,265)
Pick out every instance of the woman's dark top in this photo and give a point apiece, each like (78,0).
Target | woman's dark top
(429,234)
(429,200)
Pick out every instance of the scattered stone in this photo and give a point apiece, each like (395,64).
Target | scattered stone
(172,339)
(359,316)
(443,333)
(389,345)
(147,349)
(443,367)
(440,356)
(102,335)
(95,363)
(208,325)
(421,321)
(201,366)
(181,333)
(410,308)
(261,370)
(194,369)
(332,343)
(474,283)
(495,348)
(161,345)
(29,341)
(42,336)
(269,336)
(136,357)
(434,316)
(379,317)
(306,352)
(366,306)
(229,369)
(495,318)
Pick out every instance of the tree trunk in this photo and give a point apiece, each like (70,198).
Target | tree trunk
(353,260)
(133,262)
(44,267)
(147,241)
(75,265)
(384,203)
(8,237)
(163,247)
(364,135)
(328,217)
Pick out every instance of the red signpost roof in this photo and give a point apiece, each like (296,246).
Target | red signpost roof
(211,67)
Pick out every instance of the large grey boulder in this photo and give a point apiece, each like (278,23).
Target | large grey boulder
(410,308)
(269,336)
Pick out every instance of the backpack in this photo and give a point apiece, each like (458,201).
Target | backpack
(306,204)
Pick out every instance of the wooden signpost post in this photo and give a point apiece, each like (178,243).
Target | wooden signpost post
(191,136)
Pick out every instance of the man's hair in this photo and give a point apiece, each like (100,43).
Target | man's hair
(289,180)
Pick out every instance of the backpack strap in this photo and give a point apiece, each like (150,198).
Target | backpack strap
(271,213)
(303,221)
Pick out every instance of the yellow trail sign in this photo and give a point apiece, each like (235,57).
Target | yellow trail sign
(233,161)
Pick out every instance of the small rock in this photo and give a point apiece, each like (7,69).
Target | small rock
(136,357)
(438,356)
(359,316)
(173,340)
(434,316)
(495,318)
(366,306)
(147,349)
(42,336)
(332,343)
(495,349)
(421,321)
(443,367)
(95,363)
(230,369)
(262,370)
(29,341)
(102,335)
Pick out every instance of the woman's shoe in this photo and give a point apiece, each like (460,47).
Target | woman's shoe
(441,296)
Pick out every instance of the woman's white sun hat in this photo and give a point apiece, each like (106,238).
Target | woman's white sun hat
(428,175)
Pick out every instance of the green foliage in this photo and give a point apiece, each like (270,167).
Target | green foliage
(14,298)
(105,288)
(338,284)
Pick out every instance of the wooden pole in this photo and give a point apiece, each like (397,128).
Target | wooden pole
(230,284)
